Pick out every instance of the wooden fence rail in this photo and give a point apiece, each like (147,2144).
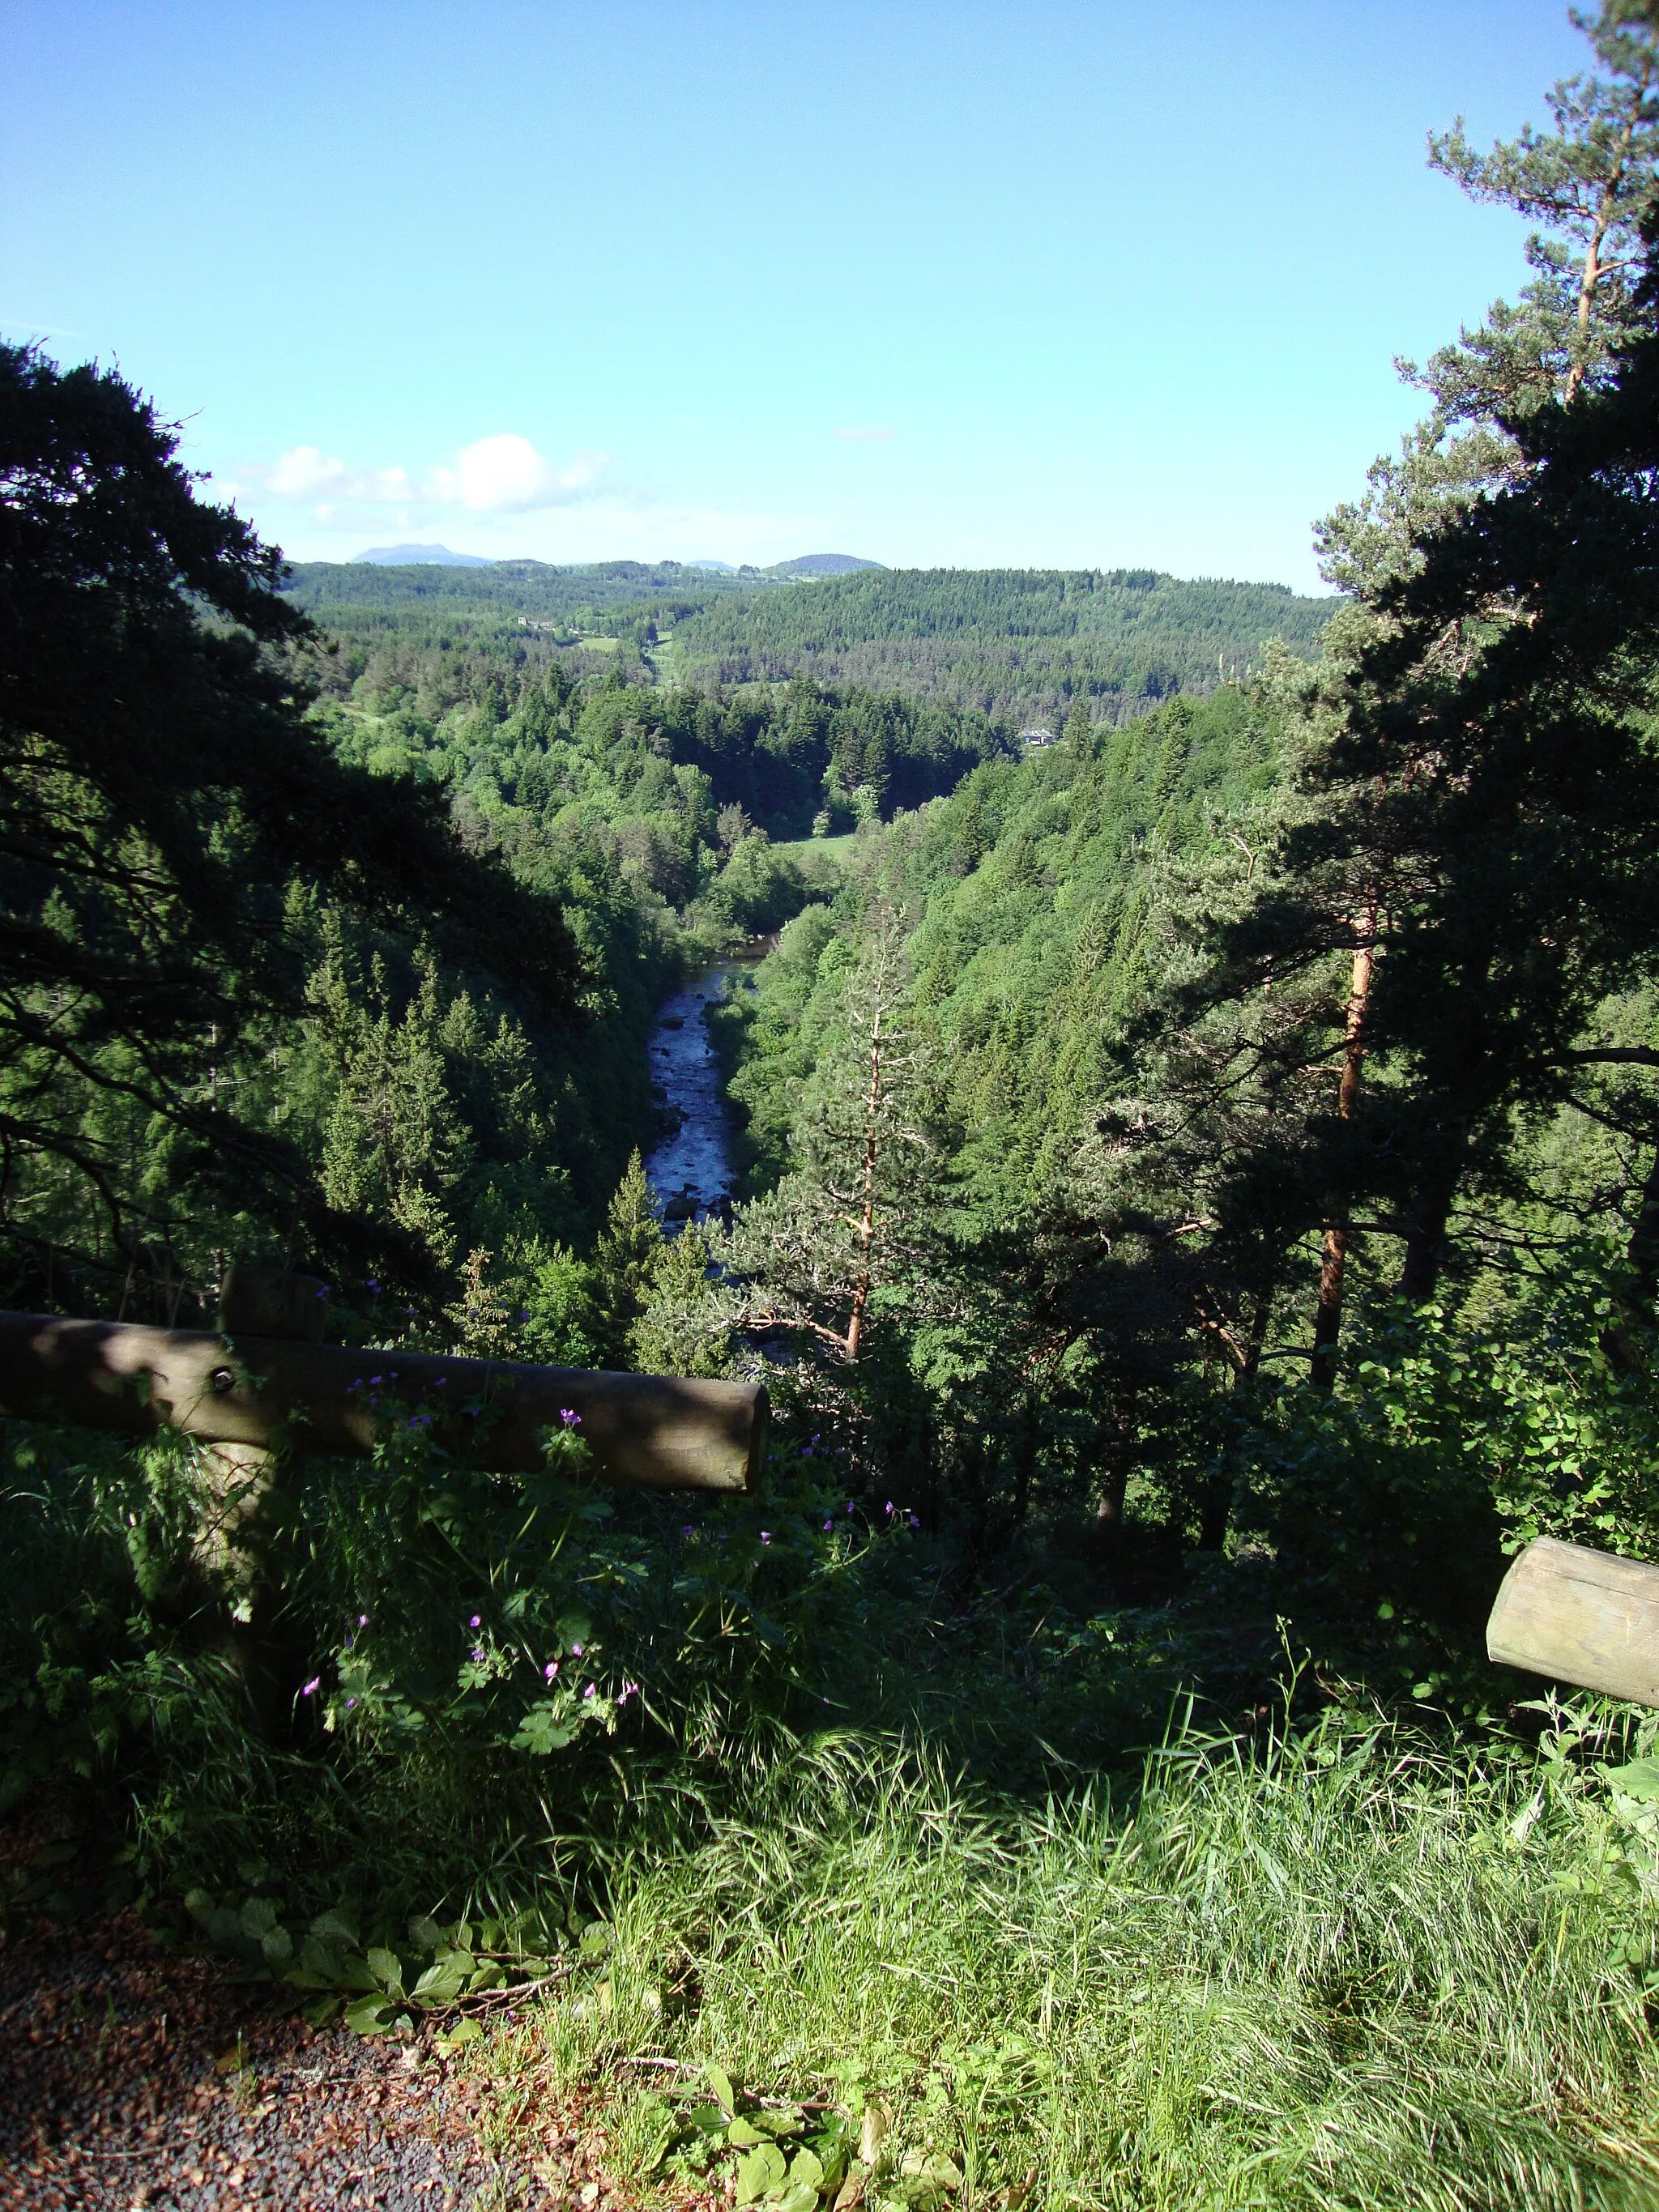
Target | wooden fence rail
(261,1391)
(1580,1616)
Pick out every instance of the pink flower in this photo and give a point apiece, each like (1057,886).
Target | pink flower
(551,1670)
(575,1650)
(590,1692)
(474,1622)
(311,1688)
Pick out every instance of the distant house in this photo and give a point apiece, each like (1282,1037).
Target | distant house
(1036,736)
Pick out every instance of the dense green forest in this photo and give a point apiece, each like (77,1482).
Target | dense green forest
(1200,1218)
(1015,645)
(1020,645)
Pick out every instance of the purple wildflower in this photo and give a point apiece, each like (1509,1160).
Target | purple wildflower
(550,1669)
(591,1690)
(766,1535)
(571,1420)
(575,1650)
(477,1655)
(915,1521)
(628,1690)
(476,1622)
(362,1621)
(687,1530)
(310,1689)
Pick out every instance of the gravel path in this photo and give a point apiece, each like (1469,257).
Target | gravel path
(133,2077)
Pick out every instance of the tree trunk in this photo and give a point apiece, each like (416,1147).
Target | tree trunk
(1118,1447)
(1426,1233)
(1333,1257)
(1215,1505)
(1592,273)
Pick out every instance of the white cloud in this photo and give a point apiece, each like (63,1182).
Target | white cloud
(506,474)
(306,472)
(502,474)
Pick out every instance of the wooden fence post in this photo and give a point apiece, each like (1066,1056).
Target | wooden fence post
(248,1487)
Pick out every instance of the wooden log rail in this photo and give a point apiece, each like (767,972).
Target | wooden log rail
(1580,1616)
(265,1391)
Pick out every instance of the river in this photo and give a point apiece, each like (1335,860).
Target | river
(691,1173)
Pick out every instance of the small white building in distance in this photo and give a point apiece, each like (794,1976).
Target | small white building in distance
(1036,736)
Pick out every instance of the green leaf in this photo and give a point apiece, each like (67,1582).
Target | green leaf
(258,1916)
(388,1970)
(807,2169)
(336,1926)
(1640,1778)
(742,2136)
(199,1904)
(370,2016)
(277,1945)
(761,2170)
(798,2197)
(443,1981)
(719,2081)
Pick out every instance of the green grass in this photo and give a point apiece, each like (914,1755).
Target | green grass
(1349,1971)
(805,850)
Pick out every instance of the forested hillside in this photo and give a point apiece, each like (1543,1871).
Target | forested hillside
(1019,645)
(1016,646)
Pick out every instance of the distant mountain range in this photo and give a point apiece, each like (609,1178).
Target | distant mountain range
(423,556)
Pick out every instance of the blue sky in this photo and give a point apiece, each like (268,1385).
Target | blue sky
(1071,284)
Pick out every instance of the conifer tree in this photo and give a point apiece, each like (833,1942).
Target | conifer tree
(161,795)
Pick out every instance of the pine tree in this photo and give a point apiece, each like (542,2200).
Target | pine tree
(628,1258)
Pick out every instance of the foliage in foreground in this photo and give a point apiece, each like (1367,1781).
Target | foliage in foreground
(1336,1968)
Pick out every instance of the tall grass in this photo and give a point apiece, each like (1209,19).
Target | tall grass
(1345,1969)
